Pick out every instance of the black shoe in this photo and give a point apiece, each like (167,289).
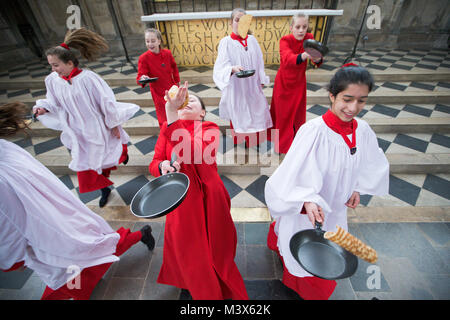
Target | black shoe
(185,295)
(126,160)
(147,237)
(105,194)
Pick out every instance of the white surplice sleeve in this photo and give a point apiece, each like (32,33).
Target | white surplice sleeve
(373,176)
(222,66)
(50,102)
(299,178)
(44,223)
(51,118)
(260,62)
(114,113)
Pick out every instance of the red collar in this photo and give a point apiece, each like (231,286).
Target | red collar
(240,39)
(75,71)
(342,127)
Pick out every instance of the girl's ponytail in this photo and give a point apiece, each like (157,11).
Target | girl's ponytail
(90,44)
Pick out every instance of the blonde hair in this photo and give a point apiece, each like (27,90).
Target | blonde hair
(90,44)
(299,15)
(235,11)
(13,118)
(157,33)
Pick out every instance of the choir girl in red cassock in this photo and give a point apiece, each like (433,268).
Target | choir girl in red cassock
(288,106)
(157,62)
(82,105)
(46,228)
(333,159)
(200,236)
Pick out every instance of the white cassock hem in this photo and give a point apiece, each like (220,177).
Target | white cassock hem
(85,112)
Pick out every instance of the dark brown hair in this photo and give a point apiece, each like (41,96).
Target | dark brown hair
(201,102)
(347,76)
(13,118)
(88,43)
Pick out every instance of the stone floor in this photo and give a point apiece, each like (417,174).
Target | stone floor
(413,264)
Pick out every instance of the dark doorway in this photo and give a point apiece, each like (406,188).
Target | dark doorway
(23,23)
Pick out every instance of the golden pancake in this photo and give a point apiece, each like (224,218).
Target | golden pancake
(173,92)
(244,25)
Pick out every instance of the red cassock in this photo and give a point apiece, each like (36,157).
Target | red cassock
(164,67)
(288,106)
(89,277)
(90,180)
(200,236)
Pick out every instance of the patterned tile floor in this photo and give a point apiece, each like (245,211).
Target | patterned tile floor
(248,190)
(210,90)
(374,59)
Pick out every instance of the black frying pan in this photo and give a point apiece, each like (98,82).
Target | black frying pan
(322,257)
(145,81)
(245,73)
(315,48)
(161,195)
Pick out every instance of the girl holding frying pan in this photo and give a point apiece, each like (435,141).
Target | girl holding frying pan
(243,101)
(332,160)
(157,63)
(200,236)
(288,106)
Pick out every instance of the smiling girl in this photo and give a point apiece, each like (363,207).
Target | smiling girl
(82,105)
(157,63)
(332,160)
(288,106)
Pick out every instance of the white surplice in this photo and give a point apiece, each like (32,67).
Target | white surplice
(44,224)
(243,101)
(86,111)
(319,168)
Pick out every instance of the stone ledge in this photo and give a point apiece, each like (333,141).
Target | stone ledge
(359,215)
(379,96)
(138,164)
(379,125)
(206,77)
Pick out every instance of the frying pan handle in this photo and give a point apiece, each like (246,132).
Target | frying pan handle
(173,158)
(318,226)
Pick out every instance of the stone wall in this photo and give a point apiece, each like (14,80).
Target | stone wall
(404,23)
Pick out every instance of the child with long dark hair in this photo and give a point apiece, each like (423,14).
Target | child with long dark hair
(333,159)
